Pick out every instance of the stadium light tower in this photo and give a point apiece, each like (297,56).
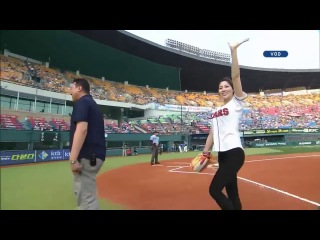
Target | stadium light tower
(171,43)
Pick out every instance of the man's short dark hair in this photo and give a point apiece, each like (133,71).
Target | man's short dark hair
(83,83)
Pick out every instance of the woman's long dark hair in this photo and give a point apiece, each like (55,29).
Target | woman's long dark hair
(226,79)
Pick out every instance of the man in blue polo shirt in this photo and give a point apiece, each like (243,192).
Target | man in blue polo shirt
(87,144)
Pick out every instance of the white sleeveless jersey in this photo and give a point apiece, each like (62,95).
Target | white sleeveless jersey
(225,125)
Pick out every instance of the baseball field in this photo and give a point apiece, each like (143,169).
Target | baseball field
(284,178)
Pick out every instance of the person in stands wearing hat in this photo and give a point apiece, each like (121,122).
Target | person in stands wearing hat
(154,139)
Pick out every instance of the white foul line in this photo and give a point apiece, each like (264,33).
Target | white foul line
(181,163)
(280,191)
(257,160)
(280,158)
(177,170)
(266,159)
(176,167)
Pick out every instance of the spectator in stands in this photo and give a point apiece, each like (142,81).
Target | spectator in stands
(87,144)
(37,126)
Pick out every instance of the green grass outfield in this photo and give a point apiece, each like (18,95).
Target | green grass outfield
(48,186)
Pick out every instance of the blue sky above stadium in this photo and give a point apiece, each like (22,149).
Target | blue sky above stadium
(303,46)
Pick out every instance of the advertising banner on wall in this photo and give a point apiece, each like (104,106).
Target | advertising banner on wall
(169,107)
(280,131)
(52,155)
(21,157)
(17,157)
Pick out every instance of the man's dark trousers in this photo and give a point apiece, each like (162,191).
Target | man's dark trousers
(154,156)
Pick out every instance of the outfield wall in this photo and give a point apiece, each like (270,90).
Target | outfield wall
(26,146)
(17,157)
(278,144)
(37,156)
(22,146)
(269,137)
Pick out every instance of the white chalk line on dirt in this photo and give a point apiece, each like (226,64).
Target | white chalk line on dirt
(267,159)
(176,169)
(180,163)
(282,158)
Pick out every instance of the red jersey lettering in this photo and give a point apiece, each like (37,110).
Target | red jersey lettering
(219,113)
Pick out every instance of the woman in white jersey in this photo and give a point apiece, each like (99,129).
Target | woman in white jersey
(225,139)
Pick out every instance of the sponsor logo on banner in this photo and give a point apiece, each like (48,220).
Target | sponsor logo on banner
(283,130)
(312,130)
(260,131)
(260,145)
(17,157)
(66,154)
(183,108)
(305,143)
(271,144)
(23,156)
(5,157)
(57,154)
(305,130)
(296,130)
(43,155)
(271,130)
(254,131)
(50,155)
(247,132)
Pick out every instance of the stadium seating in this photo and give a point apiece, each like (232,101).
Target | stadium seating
(271,111)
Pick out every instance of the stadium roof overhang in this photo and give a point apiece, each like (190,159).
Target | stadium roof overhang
(200,74)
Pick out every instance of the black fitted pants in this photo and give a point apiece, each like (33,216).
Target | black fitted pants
(230,163)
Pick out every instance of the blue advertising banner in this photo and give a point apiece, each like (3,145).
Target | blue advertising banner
(31,156)
(52,155)
(66,154)
(17,157)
